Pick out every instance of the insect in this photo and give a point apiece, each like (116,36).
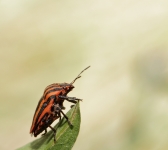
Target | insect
(50,106)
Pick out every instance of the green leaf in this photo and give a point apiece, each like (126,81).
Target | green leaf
(65,137)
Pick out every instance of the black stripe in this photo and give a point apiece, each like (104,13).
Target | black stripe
(36,132)
(51,86)
(43,107)
(53,90)
(37,106)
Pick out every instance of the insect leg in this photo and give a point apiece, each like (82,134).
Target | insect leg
(70,99)
(54,133)
(65,116)
(59,117)
(44,132)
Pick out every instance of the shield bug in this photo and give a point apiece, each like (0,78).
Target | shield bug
(50,106)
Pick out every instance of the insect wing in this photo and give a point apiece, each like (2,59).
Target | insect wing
(46,119)
(50,94)
(35,114)
(43,108)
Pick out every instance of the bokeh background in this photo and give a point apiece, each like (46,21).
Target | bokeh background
(125,91)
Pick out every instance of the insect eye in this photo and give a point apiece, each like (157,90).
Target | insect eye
(66,88)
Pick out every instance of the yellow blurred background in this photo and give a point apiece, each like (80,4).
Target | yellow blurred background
(125,91)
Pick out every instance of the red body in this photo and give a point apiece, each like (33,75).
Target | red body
(44,116)
(50,106)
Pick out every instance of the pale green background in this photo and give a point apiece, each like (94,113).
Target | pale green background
(125,91)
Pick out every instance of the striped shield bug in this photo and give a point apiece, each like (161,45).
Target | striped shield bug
(50,106)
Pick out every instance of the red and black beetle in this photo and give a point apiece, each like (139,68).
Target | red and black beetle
(50,106)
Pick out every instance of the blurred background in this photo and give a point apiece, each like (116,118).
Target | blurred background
(125,91)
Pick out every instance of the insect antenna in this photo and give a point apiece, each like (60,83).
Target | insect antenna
(78,76)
